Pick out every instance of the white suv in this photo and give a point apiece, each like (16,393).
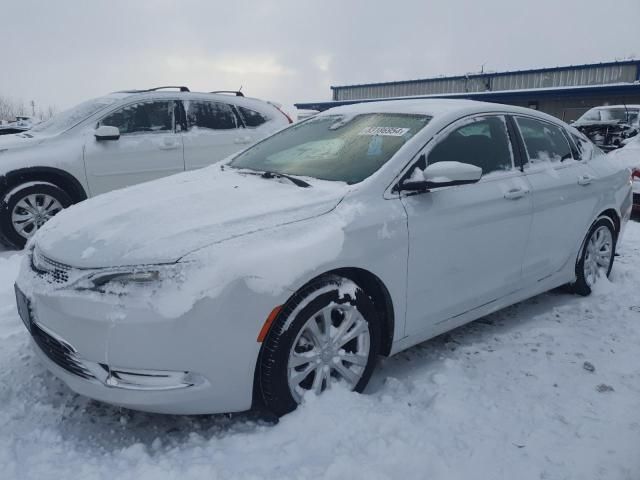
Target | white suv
(119,140)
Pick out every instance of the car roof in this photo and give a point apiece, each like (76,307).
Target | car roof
(433,107)
(606,107)
(249,102)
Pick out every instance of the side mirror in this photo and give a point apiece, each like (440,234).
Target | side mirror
(442,174)
(105,132)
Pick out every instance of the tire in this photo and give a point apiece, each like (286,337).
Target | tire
(600,238)
(292,334)
(45,199)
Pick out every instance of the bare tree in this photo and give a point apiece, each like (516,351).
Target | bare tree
(11,108)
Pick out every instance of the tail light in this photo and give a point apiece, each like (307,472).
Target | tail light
(279,107)
(635,173)
(285,114)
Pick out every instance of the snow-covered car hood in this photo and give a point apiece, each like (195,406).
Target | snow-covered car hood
(163,220)
(19,140)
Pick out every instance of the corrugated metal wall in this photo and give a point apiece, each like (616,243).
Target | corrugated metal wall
(560,77)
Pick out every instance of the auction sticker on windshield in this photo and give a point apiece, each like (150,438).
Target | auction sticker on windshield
(385,131)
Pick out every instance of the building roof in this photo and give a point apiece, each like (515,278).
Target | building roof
(494,74)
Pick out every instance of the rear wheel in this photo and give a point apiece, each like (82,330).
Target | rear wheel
(596,259)
(320,337)
(26,209)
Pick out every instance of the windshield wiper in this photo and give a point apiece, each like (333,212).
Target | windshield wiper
(268,174)
(296,181)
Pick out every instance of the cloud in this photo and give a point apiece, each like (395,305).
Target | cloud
(235,64)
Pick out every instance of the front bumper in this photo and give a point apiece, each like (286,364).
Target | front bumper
(199,363)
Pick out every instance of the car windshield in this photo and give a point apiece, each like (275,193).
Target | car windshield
(334,147)
(629,115)
(69,118)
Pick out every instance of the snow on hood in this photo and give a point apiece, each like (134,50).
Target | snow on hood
(18,140)
(161,221)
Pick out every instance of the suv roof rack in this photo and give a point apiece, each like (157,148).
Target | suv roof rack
(180,88)
(237,93)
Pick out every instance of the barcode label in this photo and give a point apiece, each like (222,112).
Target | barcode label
(385,131)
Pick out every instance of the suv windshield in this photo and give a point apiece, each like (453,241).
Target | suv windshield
(67,119)
(334,147)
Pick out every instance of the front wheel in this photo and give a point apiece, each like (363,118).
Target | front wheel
(597,256)
(27,208)
(322,336)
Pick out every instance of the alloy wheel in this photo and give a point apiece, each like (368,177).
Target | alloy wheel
(32,211)
(333,345)
(599,250)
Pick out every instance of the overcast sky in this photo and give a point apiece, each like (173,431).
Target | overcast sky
(62,52)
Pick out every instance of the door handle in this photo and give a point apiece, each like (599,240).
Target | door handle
(585,179)
(243,140)
(515,193)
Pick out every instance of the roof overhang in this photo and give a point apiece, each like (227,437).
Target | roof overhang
(503,96)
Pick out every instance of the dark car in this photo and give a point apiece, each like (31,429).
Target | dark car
(21,124)
(10,129)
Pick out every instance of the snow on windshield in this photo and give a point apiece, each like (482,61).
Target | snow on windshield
(346,148)
(69,118)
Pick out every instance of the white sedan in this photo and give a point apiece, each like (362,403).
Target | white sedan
(359,232)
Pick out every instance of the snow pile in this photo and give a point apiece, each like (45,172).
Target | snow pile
(549,388)
(629,155)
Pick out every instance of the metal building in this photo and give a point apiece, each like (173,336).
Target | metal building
(565,92)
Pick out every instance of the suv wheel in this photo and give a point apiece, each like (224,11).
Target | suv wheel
(27,208)
(321,336)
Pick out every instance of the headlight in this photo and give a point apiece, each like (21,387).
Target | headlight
(126,277)
(143,275)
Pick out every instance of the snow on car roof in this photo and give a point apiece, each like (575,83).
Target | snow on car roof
(432,107)
(249,102)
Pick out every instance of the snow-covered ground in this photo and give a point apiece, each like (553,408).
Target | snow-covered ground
(547,389)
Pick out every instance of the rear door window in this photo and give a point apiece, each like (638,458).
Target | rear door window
(210,115)
(252,118)
(543,141)
(143,117)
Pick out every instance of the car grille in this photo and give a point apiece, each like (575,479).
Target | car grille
(50,270)
(636,198)
(59,352)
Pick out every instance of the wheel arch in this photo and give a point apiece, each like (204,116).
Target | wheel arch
(613,215)
(64,180)
(373,286)
(610,214)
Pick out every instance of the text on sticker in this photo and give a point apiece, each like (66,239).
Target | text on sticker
(386,131)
